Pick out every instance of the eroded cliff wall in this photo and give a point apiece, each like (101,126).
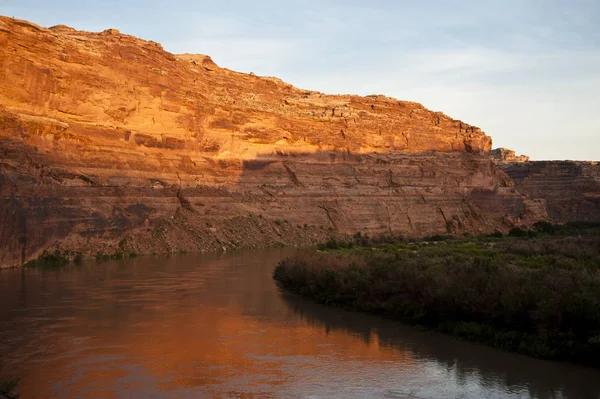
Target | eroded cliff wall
(109,143)
(571,189)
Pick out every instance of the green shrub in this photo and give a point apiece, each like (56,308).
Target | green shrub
(437,237)
(331,244)
(545,227)
(517,232)
(49,260)
(8,386)
(101,256)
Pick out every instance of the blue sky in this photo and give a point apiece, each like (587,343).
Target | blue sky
(526,71)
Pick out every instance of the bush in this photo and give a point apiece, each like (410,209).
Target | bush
(49,260)
(545,227)
(517,232)
(7,387)
(101,256)
(436,237)
(331,244)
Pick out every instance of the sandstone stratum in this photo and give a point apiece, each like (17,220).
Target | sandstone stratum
(110,144)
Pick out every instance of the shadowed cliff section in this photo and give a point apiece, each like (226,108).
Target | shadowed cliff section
(571,189)
(110,144)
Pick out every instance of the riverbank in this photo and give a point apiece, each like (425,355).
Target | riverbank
(175,236)
(535,293)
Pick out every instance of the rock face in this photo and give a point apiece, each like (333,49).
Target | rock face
(500,155)
(110,144)
(571,189)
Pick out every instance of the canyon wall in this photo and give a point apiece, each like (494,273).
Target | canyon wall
(571,189)
(108,144)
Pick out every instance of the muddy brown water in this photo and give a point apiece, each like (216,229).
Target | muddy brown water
(204,326)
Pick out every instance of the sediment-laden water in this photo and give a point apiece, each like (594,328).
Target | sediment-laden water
(204,326)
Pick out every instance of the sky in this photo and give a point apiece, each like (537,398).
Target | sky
(527,72)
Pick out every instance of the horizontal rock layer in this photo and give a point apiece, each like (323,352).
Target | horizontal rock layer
(110,144)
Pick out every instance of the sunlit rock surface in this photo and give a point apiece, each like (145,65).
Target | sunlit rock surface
(502,155)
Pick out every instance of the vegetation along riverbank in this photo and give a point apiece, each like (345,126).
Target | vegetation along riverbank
(534,292)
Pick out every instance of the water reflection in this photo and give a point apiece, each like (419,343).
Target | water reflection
(217,326)
(517,374)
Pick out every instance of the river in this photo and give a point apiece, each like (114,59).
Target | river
(217,326)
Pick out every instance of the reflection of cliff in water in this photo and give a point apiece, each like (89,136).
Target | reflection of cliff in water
(542,379)
(196,323)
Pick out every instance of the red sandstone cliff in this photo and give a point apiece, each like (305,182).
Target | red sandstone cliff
(109,143)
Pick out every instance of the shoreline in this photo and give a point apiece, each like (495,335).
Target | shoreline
(534,296)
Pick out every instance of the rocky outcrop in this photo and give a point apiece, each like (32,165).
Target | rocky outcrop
(110,144)
(502,155)
(571,189)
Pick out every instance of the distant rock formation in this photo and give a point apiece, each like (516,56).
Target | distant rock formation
(571,189)
(500,155)
(110,144)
